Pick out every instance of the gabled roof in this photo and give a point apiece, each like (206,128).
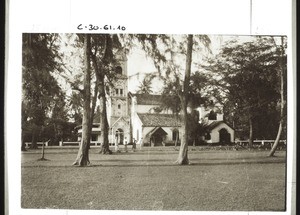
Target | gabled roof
(148,99)
(158,130)
(117,119)
(210,126)
(159,120)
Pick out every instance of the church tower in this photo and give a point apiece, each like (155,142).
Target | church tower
(117,102)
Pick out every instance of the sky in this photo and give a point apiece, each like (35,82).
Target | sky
(138,62)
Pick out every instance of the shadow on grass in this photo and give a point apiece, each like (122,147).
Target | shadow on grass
(157,163)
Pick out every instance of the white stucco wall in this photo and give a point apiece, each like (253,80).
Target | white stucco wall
(136,127)
(215,135)
(203,112)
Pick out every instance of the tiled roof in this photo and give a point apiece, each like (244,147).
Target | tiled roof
(159,120)
(148,99)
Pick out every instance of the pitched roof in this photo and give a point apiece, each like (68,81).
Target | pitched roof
(115,119)
(148,99)
(158,130)
(214,124)
(159,120)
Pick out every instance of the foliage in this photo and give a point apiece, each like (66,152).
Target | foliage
(145,85)
(41,91)
(247,78)
(75,102)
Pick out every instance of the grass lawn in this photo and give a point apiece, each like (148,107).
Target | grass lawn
(148,180)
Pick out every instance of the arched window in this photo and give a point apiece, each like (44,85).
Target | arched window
(119,70)
(207,136)
(175,134)
(119,92)
(119,136)
(224,136)
(212,115)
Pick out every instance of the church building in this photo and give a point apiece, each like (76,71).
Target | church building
(135,117)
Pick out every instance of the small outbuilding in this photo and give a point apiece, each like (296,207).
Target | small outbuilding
(218,132)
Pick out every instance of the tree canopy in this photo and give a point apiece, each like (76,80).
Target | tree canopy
(42,94)
(247,78)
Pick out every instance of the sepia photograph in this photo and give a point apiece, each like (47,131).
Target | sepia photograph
(154,122)
(162,107)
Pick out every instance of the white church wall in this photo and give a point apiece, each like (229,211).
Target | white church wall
(136,127)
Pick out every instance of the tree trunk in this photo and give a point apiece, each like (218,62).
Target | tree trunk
(83,152)
(176,140)
(250,133)
(43,153)
(177,133)
(104,123)
(23,146)
(183,151)
(43,146)
(282,103)
(34,137)
(94,101)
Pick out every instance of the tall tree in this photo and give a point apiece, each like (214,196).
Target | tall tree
(145,84)
(197,95)
(40,59)
(104,59)
(170,99)
(75,102)
(166,52)
(83,152)
(282,99)
(245,79)
(183,151)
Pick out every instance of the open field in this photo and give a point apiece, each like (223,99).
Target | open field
(148,180)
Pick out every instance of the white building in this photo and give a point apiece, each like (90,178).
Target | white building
(136,117)
(156,128)
(217,131)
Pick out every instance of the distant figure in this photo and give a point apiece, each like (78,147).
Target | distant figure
(141,143)
(117,146)
(134,145)
(151,142)
(125,144)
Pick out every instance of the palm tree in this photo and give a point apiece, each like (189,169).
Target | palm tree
(145,85)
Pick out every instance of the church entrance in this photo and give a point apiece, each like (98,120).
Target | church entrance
(157,137)
(119,136)
(224,136)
